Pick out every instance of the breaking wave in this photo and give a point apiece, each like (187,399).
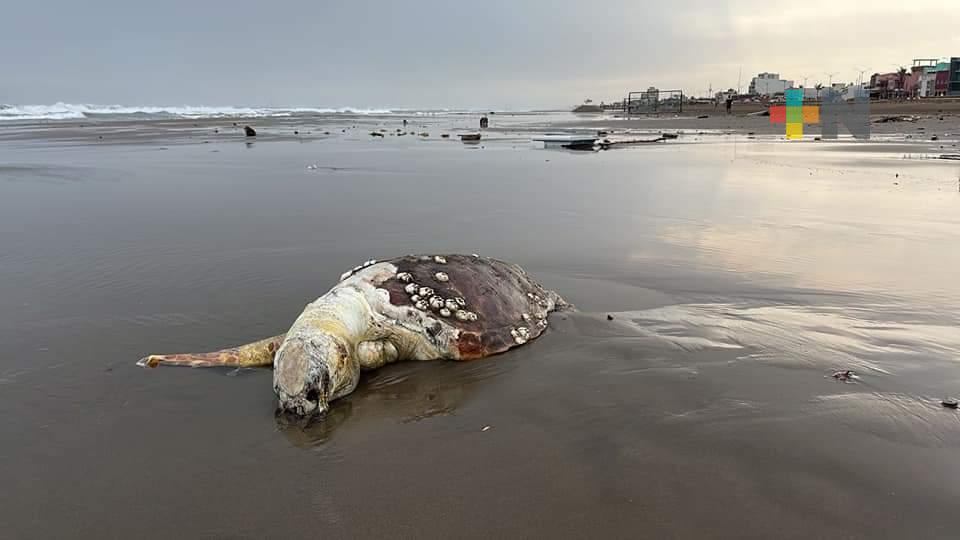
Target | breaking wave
(70,111)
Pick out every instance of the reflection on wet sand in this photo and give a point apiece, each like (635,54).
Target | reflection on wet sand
(401,393)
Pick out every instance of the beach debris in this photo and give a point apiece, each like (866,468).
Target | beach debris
(424,134)
(669,135)
(934,138)
(846,375)
(249,131)
(445,136)
(470,137)
(376,134)
(896,118)
(702,116)
(950,403)
(954,157)
(485,428)
(609,317)
(607,144)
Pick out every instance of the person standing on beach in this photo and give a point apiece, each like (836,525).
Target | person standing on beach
(729,104)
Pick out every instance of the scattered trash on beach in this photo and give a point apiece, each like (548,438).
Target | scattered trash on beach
(845,375)
(898,118)
(445,136)
(250,132)
(609,317)
(949,403)
(954,157)
(607,144)
(376,134)
(485,428)
(702,116)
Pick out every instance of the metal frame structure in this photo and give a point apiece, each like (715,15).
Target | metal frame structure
(651,102)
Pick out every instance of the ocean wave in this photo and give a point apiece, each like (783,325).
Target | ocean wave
(71,111)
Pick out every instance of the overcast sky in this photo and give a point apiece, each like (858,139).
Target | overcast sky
(503,54)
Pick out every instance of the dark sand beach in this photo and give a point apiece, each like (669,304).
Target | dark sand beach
(739,274)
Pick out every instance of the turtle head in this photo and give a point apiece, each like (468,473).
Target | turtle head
(310,371)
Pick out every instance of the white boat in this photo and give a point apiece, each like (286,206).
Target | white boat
(566,138)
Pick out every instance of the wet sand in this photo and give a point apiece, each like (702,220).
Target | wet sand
(739,273)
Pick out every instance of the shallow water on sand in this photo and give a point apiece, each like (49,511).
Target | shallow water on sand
(738,276)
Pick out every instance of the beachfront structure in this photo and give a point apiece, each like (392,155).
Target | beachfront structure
(886,85)
(854,91)
(942,81)
(653,101)
(927,82)
(768,84)
(953,83)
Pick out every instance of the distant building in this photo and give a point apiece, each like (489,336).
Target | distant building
(942,82)
(885,85)
(855,91)
(768,84)
(926,85)
(920,82)
(953,86)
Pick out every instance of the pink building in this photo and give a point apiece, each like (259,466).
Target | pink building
(884,85)
(911,84)
(943,80)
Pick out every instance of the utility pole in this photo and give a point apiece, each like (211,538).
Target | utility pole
(861,71)
(739,76)
(830,80)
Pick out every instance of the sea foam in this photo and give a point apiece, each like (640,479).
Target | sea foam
(68,111)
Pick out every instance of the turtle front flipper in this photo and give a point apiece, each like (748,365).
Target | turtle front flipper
(259,353)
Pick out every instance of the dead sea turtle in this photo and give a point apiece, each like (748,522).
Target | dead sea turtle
(454,307)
